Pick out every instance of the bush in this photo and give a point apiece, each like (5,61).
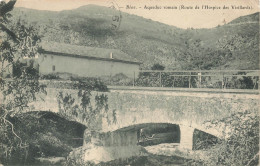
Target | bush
(148,80)
(50,77)
(44,134)
(91,84)
(157,66)
(242,83)
(241,148)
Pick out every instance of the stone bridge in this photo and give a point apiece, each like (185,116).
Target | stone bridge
(189,108)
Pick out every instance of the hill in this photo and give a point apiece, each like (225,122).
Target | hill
(231,46)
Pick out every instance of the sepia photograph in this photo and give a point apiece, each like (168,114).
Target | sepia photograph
(129,82)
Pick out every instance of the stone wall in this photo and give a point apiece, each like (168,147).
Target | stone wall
(85,67)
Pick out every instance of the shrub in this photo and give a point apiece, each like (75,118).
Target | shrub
(51,76)
(241,148)
(157,66)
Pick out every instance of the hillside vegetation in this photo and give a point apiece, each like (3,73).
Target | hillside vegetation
(232,46)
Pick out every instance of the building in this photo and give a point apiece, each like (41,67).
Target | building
(85,61)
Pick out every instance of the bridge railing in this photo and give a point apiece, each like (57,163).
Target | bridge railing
(217,79)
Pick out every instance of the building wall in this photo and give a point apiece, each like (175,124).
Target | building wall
(85,67)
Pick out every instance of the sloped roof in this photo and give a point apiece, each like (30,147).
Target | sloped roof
(63,49)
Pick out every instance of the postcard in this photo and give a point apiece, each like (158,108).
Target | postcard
(129,82)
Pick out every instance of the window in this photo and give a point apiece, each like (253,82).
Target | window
(53,68)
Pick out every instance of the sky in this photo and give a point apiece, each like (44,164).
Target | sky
(183,18)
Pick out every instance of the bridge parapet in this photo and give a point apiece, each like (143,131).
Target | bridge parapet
(216,79)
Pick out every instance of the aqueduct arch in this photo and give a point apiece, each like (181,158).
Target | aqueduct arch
(190,110)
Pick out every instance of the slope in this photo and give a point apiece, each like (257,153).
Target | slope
(231,46)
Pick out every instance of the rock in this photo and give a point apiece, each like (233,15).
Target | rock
(51,160)
(95,154)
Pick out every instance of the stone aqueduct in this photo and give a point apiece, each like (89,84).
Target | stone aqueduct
(187,108)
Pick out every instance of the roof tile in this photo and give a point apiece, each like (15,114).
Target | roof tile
(86,51)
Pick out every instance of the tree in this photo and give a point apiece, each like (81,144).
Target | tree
(157,66)
(19,45)
(5,8)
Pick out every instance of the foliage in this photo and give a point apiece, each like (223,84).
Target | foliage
(81,108)
(203,140)
(165,79)
(147,79)
(241,148)
(119,79)
(46,134)
(151,79)
(90,83)
(200,57)
(244,82)
(175,79)
(50,76)
(157,66)
(19,45)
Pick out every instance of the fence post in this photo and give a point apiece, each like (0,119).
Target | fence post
(173,81)
(134,80)
(160,79)
(254,82)
(190,80)
(110,79)
(223,81)
(199,77)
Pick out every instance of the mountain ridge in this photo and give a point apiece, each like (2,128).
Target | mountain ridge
(244,18)
(234,45)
